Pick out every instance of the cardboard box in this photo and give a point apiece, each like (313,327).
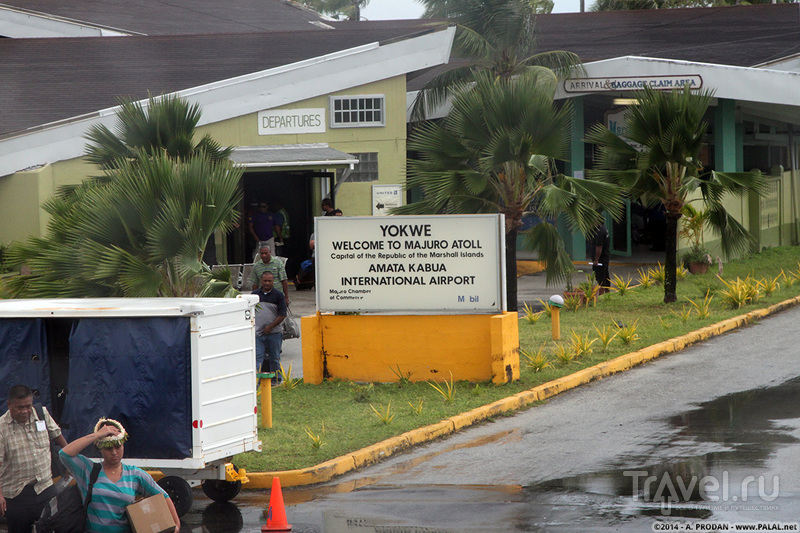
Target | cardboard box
(150,515)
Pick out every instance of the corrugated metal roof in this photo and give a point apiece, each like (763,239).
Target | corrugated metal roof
(156,17)
(741,36)
(48,80)
(733,35)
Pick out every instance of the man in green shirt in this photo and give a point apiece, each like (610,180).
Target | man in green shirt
(267,263)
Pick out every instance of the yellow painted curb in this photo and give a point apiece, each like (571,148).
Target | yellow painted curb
(382,450)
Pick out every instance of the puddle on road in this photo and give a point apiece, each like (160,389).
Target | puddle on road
(227,517)
(724,441)
(294,496)
(744,430)
(222,517)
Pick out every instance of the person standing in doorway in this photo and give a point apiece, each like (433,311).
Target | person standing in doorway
(262,227)
(26,481)
(327,207)
(284,229)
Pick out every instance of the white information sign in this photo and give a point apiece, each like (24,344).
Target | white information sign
(385,198)
(632,83)
(447,264)
(275,122)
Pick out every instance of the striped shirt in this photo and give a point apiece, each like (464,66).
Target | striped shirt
(275,266)
(25,453)
(106,513)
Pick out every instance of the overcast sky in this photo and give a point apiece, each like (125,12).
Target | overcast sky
(411,9)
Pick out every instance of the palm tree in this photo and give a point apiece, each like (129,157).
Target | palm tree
(494,153)
(348,9)
(168,123)
(453,8)
(141,227)
(140,234)
(496,36)
(660,163)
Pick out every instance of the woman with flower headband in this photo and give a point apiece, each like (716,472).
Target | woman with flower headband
(117,486)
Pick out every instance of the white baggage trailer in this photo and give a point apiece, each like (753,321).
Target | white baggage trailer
(179,373)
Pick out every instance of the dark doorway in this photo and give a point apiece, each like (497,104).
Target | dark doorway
(292,191)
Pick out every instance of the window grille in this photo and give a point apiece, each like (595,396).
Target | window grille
(365,170)
(357,111)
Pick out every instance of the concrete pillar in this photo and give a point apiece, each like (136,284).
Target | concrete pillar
(728,137)
(725,135)
(575,242)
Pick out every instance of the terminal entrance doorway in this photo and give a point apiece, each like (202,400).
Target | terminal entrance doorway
(291,191)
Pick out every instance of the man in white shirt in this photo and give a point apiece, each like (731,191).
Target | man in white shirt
(26,482)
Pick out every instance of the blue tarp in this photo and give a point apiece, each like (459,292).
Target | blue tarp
(137,371)
(23,358)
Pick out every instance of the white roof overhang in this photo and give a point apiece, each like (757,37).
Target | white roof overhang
(291,156)
(246,94)
(743,84)
(19,23)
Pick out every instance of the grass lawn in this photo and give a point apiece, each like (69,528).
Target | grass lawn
(315,423)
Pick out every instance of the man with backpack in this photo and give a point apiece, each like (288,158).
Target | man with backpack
(26,481)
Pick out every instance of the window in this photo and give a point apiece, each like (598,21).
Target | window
(357,111)
(366,169)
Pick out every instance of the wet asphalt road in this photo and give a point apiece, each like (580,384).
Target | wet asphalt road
(709,435)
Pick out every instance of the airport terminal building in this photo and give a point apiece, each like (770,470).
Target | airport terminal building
(317,108)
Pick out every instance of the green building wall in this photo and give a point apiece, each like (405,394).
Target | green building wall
(388,141)
(23,193)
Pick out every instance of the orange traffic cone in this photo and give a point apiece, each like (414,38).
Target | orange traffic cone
(276,513)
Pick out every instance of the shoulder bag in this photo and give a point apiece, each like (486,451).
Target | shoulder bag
(290,328)
(66,511)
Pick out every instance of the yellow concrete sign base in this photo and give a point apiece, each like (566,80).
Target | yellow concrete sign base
(373,348)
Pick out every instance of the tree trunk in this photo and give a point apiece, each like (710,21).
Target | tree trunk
(511,269)
(671,259)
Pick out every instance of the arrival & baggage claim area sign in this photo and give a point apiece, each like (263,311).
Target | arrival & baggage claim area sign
(434,264)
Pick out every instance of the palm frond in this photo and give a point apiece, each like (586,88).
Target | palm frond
(544,239)
(562,63)
(141,233)
(734,237)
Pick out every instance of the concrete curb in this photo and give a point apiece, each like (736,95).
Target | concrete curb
(382,450)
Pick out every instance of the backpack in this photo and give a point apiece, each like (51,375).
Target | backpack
(56,468)
(66,511)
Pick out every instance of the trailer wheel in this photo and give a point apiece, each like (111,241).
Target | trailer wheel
(179,492)
(220,490)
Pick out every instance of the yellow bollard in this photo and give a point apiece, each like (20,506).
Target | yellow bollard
(265,384)
(556,302)
(556,323)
